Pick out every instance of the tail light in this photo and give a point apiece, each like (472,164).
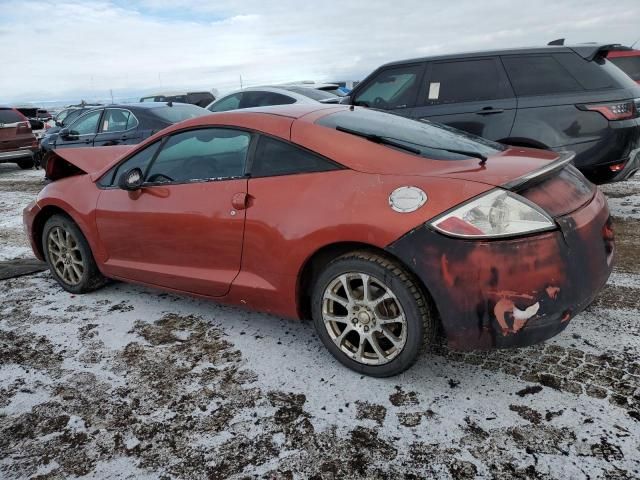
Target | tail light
(615,110)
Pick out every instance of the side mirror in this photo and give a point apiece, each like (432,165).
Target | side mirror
(346,100)
(64,133)
(131,180)
(68,134)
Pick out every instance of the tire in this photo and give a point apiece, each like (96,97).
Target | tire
(365,316)
(26,164)
(69,256)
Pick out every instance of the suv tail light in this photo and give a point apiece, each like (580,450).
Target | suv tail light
(615,110)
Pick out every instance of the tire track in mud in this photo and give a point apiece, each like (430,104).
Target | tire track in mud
(185,406)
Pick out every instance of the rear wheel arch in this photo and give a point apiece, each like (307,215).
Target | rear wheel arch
(316,262)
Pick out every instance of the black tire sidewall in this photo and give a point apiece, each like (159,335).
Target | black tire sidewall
(91,277)
(415,326)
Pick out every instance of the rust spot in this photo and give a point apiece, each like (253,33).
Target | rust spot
(506,310)
(552,292)
(446,274)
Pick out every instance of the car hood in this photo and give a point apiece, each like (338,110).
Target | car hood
(92,160)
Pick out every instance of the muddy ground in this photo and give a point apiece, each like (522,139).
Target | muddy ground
(130,382)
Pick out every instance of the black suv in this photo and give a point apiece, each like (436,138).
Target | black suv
(552,97)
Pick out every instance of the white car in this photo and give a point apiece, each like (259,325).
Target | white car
(267,96)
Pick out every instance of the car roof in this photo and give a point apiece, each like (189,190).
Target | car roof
(283,90)
(171,94)
(587,51)
(144,105)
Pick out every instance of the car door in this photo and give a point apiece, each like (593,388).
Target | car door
(81,132)
(117,127)
(473,95)
(394,89)
(183,229)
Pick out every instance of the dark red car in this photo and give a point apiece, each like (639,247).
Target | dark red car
(627,60)
(380,228)
(17,141)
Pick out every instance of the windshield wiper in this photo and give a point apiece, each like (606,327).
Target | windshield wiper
(378,139)
(399,144)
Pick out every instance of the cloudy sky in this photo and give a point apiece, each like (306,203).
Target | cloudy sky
(82,49)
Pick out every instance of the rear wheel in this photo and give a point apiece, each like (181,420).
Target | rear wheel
(69,257)
(371,314)
(26,164)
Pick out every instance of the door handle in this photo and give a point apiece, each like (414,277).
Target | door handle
(489,111)
(240,200)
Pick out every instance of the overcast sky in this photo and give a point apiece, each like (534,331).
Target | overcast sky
(82,49)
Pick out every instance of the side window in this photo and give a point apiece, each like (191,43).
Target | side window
(87,124)
(394,88)
(140,160)
(539,75)
(211,153)
(117,120)
(274,157)
(232,102)
(464,81)
(264,99)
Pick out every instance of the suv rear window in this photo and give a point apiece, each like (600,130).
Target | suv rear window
(8,115)
(178,113)
(629,65)
(432,139)
(539,75)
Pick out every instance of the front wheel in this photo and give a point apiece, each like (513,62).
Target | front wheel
(371,314)
(69,256)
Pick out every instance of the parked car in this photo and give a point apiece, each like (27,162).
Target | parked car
(37,117)
(627,60)
(334,88)
(124,124)
(17,141)
(202,99)
(269,96)
(552,97)
(380,228)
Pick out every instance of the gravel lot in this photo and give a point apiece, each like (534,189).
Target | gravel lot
(130,382)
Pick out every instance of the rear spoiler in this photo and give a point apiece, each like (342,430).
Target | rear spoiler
(520,183)
(589,51)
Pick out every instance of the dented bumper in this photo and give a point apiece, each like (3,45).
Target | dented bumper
(513,292)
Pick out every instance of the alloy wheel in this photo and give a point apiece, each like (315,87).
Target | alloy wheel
(364,318)
(65,255)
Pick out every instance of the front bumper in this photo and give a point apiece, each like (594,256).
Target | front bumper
(513,292)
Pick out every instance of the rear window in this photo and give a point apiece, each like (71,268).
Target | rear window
(312,93)
(539,75)
(8,115)
(430,138)
(560,73)
(629,65)
(178,113)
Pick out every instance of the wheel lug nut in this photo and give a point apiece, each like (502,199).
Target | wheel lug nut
(354,321)
(366,329)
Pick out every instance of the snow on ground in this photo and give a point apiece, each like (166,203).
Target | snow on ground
(131,382)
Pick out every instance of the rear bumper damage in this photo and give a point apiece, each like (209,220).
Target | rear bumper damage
(513,292)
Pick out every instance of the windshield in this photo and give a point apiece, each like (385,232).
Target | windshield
(427,137)
(178,113)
